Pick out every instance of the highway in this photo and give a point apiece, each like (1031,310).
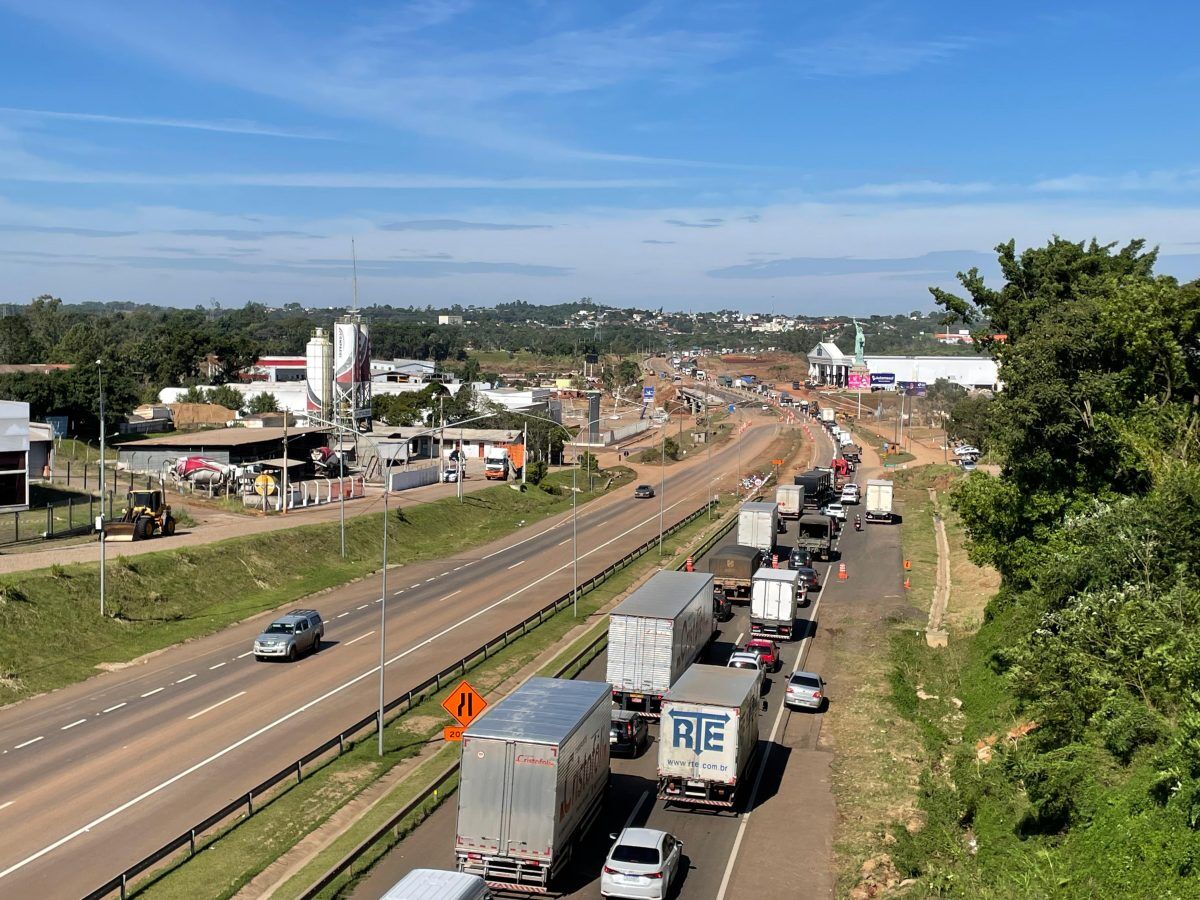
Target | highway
(95,776)
(783,846)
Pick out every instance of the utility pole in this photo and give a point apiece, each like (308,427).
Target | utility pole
(383,606)
(574,544)
(100,520)
(341,486)
(285,463)
(662,488)
(524,452)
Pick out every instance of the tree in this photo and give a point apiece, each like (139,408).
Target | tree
(193,394)
(224,395)
(970,421)
(943,394)
(262,403)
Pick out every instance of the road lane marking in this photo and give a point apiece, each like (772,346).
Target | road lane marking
(360,637)
(443,575)
(193,675)
(243,655)
(341,615)
(215,705)
(380,600)
(398,593)
(286,717)
(156,690)
(111,708)
(514,565)
(210,668)
(737,640)
(414,586)
(636,807)
(364,606)
(456,568)
(27,743)
(7,805)
(433,578)
(73,724)
(567,541)
(448,596)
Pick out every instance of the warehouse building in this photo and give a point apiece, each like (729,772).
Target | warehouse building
(233,446)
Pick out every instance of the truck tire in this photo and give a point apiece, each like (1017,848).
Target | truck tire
(169,526)
(142,528)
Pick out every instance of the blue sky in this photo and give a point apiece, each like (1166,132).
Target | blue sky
(793,156)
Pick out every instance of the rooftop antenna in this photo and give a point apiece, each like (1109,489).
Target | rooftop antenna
(354,263)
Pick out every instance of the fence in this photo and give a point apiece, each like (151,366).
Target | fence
(74,515)
(369,724)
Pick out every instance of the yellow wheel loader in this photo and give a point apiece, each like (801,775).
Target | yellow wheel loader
(146,514)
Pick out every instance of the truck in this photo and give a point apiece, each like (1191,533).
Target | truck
(785,399)
(773,603)
(814,533)
(708,738)
(533,773)
(733,569)
(879,500)
(495,464)
(827,414)
(852,452)
(757,525)
(655,633)
(817,484)
(790,499)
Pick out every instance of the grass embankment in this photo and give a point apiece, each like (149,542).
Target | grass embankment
(232,860)
(158,599)
(720,431)
(873,438)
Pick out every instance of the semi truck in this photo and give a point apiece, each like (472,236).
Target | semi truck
(655,633)
(790,500)
(879,500)
(733,569)
(709,736)
(827,414)
(773,602)
(814,533)
(818,486)
(757,525)
(495,464)
(533,774)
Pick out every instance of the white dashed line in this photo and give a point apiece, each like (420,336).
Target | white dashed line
(427,580)
(567,541)
(111,708)
(27,743)
(7,805)
(364,606)
(397,593)
(217,666)
(443,575)
(243,655)
(341,615)
(417,585)
(380,600)
(155,691)
(448,596)
(456,568)
(193,675)
(215,705)
(514,565)
(73,724)
(359,638)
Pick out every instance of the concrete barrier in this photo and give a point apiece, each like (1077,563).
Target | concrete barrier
(411,478)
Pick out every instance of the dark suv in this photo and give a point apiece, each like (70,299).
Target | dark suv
(629,732)
(288,636)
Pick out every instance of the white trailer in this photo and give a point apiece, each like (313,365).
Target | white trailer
(773,602)
(655,633)
(827,414)
(757,526)
(879,500)
(790,500)
(533,773)
(709,736)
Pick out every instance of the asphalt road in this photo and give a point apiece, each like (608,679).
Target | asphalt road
(97,775)
(783,844)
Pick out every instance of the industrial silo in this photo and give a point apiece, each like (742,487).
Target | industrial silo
(318,354)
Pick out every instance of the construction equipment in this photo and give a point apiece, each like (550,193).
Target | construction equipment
(146,514)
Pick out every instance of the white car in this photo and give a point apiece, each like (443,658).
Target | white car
(966,450)
(643,862)
(835,511)
(741,659)
(850,494)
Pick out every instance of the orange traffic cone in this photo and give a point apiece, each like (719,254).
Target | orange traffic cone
(842,576)
(906,584)
(688,566)
(907,564)
(774,560)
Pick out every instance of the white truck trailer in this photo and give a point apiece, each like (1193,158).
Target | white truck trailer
(773,602)
(534,771)
(757,526)
(655,633)
(709,736)
(827,414)
(790,500)
(879,500)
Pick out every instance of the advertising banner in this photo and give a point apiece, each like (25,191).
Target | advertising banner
(859,381)
(648,394)
(913,388)
(880,379)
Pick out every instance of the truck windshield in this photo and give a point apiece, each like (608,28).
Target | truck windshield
(280,628)
(645,856)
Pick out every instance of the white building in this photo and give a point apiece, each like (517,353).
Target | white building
(450,320)
(828,365)
(14,455)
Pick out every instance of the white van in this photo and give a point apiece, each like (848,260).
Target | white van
(438,884)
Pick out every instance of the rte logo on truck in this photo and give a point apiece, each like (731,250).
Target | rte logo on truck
(697,731)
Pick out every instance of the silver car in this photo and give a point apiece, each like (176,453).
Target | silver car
(805,690)
(287,637)
(642,863)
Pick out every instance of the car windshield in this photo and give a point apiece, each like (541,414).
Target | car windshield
(807,681)
(742,664)
(644,856)
(280,628)
(643,487)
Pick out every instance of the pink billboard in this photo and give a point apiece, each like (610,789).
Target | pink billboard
(859,381)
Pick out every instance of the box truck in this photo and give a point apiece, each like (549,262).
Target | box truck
(814,533)
(532,778)
(790,499)
(879,501)
(709,736)
(657,632)
(495,464)
(773,602)
(757,525)
(827,415)
(733,568)
(818,487)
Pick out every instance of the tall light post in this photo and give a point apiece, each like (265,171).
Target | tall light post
(341,452)
(100,518)
(387,489)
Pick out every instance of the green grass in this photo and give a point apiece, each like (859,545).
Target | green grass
(157,599)
(79,451)
(233,858)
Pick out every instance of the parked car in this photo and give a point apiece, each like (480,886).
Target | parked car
(805,690)
(808,575)
(850,493)
(287,637)
(643,492)
(643,862)
(449,475)
(836,511)
(966,450)
(629,732)
(768,652)
(968,465)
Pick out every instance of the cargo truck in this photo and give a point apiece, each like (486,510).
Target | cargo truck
(879,501)
(818,486)
(757,525)
(532,778)
(709,737)
(733,568)
(790,499)
(852,452)
(827,414)
(655,633)
(814,533)
(773,602)
(495,464)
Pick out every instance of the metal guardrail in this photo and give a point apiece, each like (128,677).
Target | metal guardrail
(408,700)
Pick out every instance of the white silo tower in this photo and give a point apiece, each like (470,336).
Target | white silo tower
(318,354)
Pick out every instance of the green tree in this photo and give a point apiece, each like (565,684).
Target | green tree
(193,394)
(224,395)
(970,421)
(262,403)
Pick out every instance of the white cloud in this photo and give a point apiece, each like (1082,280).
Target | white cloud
(916,188)
(1160,180)
(227,127)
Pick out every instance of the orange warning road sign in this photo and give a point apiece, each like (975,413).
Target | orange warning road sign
(464,703)
(777,462)
(452,733)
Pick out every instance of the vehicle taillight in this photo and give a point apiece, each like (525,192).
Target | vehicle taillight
(816,695)
(608,870)
(654,874)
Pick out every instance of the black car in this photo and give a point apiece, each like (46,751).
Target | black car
(629,732)
(800,558)
(643,492)
(722,608)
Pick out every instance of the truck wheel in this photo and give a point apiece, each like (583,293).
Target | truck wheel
(291,654)
(142,528)
(169,527)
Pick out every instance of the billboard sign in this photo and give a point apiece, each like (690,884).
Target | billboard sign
(859,381)
(58,425)
(880,379)
(913,388)
(648,394)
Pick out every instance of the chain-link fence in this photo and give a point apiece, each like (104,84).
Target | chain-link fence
(74,515)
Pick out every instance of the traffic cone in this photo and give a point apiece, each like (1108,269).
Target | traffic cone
(774,560)
(906,584)
(907,564)
(688,566)
(842,576)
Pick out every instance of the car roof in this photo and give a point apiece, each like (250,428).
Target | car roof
(806,675)
(743,656)
(759,640)
(641,837)
(624,715)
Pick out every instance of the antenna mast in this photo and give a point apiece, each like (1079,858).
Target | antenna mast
(354,262)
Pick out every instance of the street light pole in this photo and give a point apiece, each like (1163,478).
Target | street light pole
(387,489)
(662,487)
(100,378)
(574,544)
(342,486)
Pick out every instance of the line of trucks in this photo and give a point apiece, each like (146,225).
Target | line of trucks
(535,766)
